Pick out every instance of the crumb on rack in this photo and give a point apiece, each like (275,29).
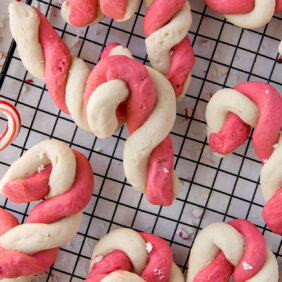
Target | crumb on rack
(149,247)
(2,59)
(197,212)
(185,234)
(75,42)
(186,114)
(29,81)
(25,89)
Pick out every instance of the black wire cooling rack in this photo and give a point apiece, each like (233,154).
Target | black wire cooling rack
(212,189)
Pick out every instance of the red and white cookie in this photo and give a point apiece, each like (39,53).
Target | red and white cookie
(221,249)
(88,12)
(249,14)
(126,255)
(229,115)
(118,90)
(169,49)
(49,169)
(13,124)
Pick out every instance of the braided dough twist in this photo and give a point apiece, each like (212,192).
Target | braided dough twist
(49,169)
(88,12)
(229,114)
(118,89)
(249,14)
(122,250)
(221,247)
(166,25)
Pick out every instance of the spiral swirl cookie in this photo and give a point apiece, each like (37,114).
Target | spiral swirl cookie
(169,49)
(229,115)
(88,12)
(148,257)
(13,124)
(49,169)
(249,14)
(221,247)
(118,89)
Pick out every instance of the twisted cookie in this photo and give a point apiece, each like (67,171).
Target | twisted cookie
(249,14)
(88,12)
(148,257)
(221,247)
(229,114)
(118,89)
(49,169)
(166,25)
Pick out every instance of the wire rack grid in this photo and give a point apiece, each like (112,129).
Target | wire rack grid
(212,189)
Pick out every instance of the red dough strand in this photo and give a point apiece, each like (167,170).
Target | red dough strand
(29,189)
(83,12)
(160,185)
(114,9)
(272,212)
(237,6)
(220,270)
(183,58)
(57,59)
(231,6)
(116,260)
(14,264)
(254,255)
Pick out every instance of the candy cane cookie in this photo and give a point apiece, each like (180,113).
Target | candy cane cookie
(118,89)
(169,49)
(88,12)
(221,248)
(126,255)
(64,177)
(229,115)
(13,124)
(249,14)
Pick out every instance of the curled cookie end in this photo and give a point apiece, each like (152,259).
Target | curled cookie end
(7,222)
(233,133)
(116,260)
(231,6)
(106,53)
(114,9)
(15,264)
(182,62)
(160,188)
(220,269)
(29,189)
(160,259)
(272,213)
(83,12)
(278,7)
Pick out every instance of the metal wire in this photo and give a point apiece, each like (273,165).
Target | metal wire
(114,203)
